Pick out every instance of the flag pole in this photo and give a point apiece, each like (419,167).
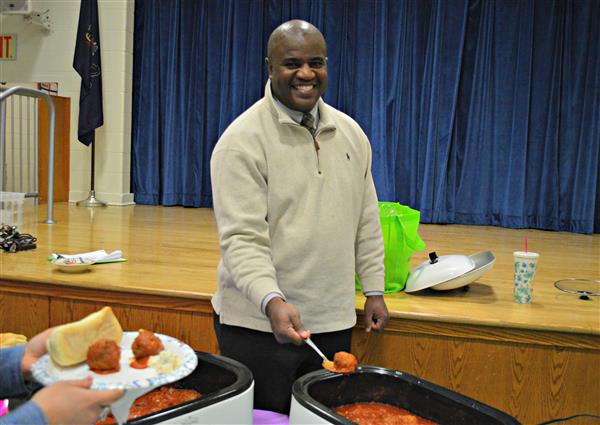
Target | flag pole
(87,64)
(91,200)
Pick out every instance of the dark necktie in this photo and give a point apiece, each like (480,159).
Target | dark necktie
(309,122)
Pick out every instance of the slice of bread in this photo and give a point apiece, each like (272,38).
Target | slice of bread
(68,344)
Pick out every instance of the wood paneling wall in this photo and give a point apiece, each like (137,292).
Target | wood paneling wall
(532,382)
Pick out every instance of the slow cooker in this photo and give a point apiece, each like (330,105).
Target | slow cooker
(316,394)
(227,390)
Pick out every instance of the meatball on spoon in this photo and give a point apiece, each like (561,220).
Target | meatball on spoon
(344,363)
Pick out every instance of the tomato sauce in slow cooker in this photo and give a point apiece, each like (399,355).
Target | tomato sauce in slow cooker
(155,401)
(379,414)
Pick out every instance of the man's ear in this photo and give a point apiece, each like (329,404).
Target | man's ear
(269,66)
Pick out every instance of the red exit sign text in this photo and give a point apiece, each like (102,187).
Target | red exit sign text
(8,47)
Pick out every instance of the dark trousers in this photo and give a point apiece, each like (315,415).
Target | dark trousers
(276,366)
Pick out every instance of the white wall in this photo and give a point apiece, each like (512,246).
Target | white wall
(48,57)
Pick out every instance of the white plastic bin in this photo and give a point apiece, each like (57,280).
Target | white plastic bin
(11,208)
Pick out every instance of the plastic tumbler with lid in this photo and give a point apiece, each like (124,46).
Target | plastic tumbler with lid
(525,267)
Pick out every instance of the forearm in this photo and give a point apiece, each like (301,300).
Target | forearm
(12,383)
(28,413)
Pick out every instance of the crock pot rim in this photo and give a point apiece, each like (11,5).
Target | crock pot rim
(313,405)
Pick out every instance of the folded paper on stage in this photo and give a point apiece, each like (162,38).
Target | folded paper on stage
(97,257)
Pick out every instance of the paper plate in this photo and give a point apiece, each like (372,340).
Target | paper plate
(72,265)
(46,372)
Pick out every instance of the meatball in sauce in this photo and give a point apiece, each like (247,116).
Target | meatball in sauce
(146,344)
(103,356)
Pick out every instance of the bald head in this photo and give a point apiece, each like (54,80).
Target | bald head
(295,29)
(297,64)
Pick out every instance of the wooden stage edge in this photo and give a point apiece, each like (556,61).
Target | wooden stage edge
(536,362)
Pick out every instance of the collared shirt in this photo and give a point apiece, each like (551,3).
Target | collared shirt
(297,115)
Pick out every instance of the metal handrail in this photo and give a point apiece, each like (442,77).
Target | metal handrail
(24,91)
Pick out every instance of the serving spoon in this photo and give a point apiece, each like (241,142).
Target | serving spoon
(327,364)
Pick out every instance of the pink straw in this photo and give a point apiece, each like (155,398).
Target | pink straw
(526,251)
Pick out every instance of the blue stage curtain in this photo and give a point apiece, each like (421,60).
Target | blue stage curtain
(479,112)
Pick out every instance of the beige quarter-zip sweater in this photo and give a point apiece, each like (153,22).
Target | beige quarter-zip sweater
(294,220)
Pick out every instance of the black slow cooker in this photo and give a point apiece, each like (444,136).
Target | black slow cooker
(316,394)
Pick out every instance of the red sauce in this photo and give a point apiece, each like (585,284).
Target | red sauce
(141,363)
(154,401)
(379,414)
(105,372)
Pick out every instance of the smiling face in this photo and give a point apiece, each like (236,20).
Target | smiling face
(297,65)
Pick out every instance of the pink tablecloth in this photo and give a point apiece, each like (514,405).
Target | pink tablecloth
(266,417)
(3,407)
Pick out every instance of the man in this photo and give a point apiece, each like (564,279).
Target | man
(297,216)
(66,402)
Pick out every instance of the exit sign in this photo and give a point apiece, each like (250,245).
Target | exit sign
(8,47)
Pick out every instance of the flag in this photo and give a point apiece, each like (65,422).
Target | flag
(87,65)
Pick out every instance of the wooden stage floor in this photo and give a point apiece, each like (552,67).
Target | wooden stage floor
(176,249)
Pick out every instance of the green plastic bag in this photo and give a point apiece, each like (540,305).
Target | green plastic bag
(399,226)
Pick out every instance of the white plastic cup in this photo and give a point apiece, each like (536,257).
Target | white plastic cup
(525,267)
(11,208)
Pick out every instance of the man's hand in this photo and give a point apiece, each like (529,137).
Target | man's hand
(35,348)
(285,322)
(72,402)
(376,313)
